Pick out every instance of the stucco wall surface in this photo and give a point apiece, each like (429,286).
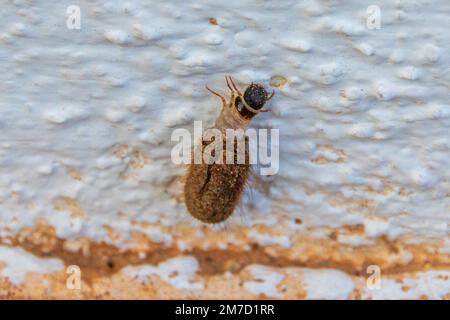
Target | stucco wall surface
(87,180)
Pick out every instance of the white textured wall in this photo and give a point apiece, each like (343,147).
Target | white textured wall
(86,115)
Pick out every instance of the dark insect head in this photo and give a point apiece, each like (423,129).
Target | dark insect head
(249,104)
(256,96)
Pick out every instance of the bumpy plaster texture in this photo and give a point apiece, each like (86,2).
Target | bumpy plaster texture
(86,178)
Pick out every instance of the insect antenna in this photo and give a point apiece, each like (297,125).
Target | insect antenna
(234,85)
(217,94)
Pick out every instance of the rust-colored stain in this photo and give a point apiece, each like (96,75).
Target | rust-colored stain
(102,259)
(71,205)
(213,21)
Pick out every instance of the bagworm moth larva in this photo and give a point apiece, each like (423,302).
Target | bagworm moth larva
(212,191)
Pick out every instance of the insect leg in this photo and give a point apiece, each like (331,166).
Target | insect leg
(271,95)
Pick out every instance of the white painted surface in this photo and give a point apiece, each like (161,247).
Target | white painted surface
(371,105)
(179,272)
(135,71)
(264,281)
(327,284)
(18,263)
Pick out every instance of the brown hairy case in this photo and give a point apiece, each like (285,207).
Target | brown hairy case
(212,191)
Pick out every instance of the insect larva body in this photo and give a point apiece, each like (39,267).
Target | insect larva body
(212,191)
